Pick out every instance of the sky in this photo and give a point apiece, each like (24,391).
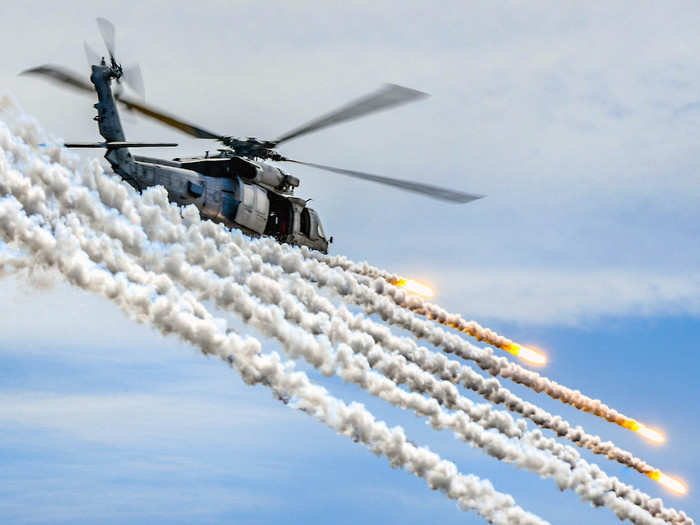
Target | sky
(579,123)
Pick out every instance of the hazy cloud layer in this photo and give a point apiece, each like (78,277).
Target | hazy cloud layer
(570,297)
(577,121)
(130,418)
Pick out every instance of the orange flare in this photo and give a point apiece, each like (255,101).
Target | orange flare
(669,482)
(646,432)
(415,287)
(651,434)
(533,357)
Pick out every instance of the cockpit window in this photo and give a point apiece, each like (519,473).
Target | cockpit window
(317,228)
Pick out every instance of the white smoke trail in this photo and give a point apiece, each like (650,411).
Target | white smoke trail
(276,254)
(11,261)
(292,262)
(365,269)
(567,471)
(93,213)
(456,373)
(265,322)
(442,316)
(158,304)
(99,249)
(381,298)
(172,312)
(487,361)
(395,368)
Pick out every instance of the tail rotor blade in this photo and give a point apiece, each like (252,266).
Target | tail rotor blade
(92,57)
(133,77)
(107,29)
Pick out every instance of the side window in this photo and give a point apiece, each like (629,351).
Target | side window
(305,223)
(195,190)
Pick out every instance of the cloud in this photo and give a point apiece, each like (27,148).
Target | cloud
(66,500)
(558,296)
(565,117)
(123,419)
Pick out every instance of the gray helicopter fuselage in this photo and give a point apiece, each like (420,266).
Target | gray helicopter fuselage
(251,196)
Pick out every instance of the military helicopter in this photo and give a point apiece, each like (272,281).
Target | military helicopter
(234,186)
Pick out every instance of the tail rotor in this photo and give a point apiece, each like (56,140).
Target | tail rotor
(92,57)
(107,30)
(134,79)
(130,74)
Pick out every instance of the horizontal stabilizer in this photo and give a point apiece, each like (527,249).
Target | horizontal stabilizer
(115,145)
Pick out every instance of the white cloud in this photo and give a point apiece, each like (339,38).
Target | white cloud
(138,418)
(65,501)
(554,296)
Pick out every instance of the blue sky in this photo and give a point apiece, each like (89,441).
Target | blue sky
(129,426)
(579,123)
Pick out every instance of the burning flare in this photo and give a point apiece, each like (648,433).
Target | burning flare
(529,355)
(646,432)
(669,482)
(415,287)
(534,357)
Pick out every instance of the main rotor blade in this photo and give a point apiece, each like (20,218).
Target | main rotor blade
(92,57)
(416,187)
(67,77)
(61,75)
(388,96)
(165,118)
(107,29)
(134,78)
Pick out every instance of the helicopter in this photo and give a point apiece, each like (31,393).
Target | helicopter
(235,186)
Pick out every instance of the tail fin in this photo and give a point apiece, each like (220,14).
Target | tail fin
(107,115)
